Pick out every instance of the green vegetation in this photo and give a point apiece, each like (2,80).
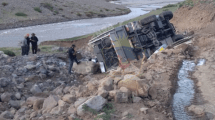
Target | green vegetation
(56,12)
(78,14)
(107,110)
(77,119)
(48,6)
(88,109)
(4,4)
(170,5)
(188,3)
(11,51)
(89,14)
(106,9)
(129,116)
(156,12)
(21,14)
(38,9)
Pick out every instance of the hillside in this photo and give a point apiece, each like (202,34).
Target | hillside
(18,13)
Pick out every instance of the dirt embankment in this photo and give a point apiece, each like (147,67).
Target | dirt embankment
(200,19)
(19,13)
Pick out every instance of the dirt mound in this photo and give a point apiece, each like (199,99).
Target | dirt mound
(194,18)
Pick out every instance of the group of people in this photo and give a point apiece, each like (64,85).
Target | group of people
(26,44)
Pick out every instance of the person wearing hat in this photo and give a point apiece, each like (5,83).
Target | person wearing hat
(72,57)
(34,41)
(25,45)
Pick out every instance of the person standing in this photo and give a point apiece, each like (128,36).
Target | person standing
(28,42)
(72,58)
(25,45)
(34,41)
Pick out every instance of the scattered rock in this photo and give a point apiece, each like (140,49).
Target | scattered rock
(153,92)
(38,104)
(30,67)
(136,99)
(18,96)
(96,103)
(121,97)
(4,82)
(143,110)
(71,109)
(107,84)
(135,84)
(35,89)
(33,114)
(69,98)
(14,104)
(7,115)
(80,101)
(50,103)
(197,110)
(6,97)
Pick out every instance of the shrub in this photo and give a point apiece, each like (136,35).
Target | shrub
(106,9)
(4,4)
(38,9)
(21,14)
(56,12)
(48,6)
(89,14)
(170,5)
(9,53)
(79,14)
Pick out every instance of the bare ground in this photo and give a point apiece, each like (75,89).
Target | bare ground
(52,11)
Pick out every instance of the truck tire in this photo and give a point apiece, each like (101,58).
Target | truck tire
(167,15)
(177,37)
(148,20)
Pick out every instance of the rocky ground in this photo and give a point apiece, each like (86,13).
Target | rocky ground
(37,87)
(51,11)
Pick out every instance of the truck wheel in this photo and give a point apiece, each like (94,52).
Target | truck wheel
(167,15)
(177,37)
(148,20)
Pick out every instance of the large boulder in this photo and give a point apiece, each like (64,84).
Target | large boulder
(135,84)
(96,103)
(50,103)
(84,68)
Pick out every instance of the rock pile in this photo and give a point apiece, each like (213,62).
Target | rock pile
(38,88)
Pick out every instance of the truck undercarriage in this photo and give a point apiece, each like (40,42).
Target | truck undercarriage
(132,41)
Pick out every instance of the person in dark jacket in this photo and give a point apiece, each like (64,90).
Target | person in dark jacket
(28,43)
(72,58)
(34,41)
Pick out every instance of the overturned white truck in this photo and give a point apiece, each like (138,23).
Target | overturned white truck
(131,41)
